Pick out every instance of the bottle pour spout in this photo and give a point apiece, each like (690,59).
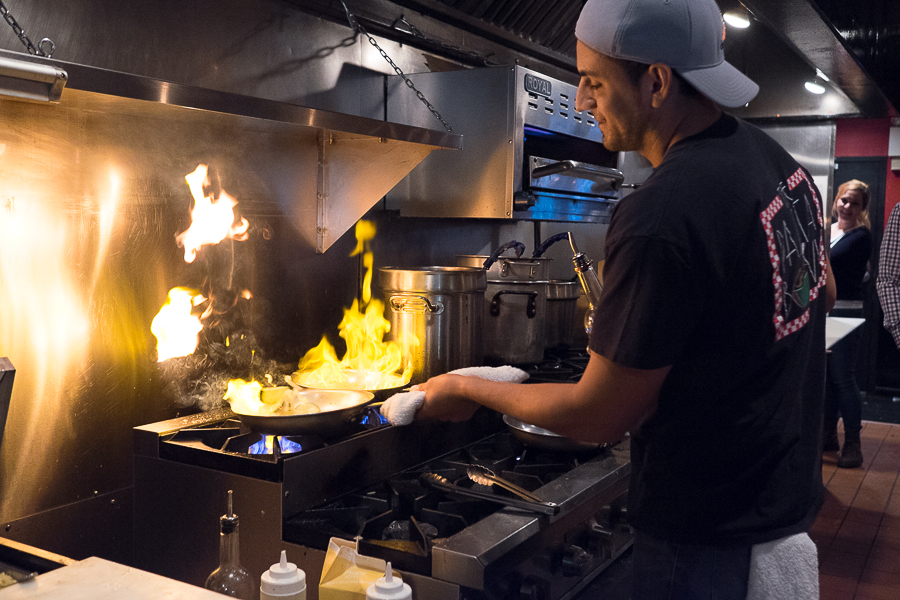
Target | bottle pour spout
(572,243)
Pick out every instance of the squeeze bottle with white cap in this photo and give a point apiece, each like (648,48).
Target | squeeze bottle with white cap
(389,588)
(283,581)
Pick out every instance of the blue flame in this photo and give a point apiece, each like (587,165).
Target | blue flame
(373,417)
(266,445)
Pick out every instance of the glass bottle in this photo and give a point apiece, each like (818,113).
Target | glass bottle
(590,282)
(230,578)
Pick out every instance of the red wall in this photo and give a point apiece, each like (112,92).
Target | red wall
(868,137)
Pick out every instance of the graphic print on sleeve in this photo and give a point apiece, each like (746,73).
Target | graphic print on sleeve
(793,226)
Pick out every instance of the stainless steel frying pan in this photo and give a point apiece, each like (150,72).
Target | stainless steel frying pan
(534,436)
(326,423)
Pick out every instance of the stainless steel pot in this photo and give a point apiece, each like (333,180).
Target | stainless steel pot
(509,269)
(444,308)
(515,322)
(562,306)
(515,308)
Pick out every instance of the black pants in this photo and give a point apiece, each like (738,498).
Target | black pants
(667,571)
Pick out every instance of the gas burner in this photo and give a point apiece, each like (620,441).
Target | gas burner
(231,437)
(560,365)
(398,519)
(373,419)
(228,437)
(276,445)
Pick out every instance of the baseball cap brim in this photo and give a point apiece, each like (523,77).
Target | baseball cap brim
(723,84)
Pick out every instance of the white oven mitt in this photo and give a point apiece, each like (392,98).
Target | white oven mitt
(400,408)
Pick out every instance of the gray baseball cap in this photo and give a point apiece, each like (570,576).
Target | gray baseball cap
(687,35)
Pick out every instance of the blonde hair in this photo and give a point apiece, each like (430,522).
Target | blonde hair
(854,185)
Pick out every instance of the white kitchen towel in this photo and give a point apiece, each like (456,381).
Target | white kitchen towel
(400,409)
(784,568)
(505,374)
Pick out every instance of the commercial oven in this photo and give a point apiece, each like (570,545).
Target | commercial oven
(527,152)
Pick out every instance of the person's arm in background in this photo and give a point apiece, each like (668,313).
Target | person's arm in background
(830,286)
(888,280)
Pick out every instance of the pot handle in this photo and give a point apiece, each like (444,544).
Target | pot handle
(539,251)
(415,304)
(519,246)
(530,309)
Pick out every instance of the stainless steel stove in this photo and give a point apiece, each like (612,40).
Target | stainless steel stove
(366,487)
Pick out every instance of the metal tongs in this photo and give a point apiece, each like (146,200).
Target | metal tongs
(484,476)
(438,482)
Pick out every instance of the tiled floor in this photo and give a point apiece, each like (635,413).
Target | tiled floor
(858,530)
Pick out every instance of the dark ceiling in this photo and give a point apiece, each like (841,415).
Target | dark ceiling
(866,31)
(870,29)
(855,43)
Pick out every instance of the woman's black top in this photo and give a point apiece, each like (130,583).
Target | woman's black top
(849,258)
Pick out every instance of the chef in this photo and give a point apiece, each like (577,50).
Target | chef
(708,344)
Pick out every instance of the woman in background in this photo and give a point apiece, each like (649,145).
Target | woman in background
(851,248)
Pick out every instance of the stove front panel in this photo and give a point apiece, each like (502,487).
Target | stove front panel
(367,485)
(176,520)
(488,551)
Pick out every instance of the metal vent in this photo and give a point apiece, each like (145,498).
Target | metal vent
(550,23)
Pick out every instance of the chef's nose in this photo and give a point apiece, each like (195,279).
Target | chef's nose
(583,98)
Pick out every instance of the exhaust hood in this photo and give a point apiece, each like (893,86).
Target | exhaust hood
(856,44)
(347,163)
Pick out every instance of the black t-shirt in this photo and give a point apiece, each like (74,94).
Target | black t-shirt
(848,262)
(716,266)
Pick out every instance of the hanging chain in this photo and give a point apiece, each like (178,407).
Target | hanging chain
(357,26)
(32,49)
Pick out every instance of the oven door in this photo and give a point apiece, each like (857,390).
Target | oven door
(573,177)
(567,190)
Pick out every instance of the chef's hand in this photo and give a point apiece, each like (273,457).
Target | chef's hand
(444,400)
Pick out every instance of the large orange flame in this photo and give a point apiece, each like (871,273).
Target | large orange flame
(369,363)
(176,328)
(212,220)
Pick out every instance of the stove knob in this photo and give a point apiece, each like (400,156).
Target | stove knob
(600,541)
(534,589)
(605,517)
(576,561)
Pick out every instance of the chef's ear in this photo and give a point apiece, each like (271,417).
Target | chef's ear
(660,80)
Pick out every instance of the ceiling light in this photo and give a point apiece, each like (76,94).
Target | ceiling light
(814,87)
(739,18)
(821,75)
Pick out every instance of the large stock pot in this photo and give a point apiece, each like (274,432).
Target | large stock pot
(443,308)
(562,309)
(515,307)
